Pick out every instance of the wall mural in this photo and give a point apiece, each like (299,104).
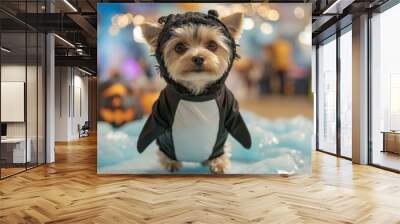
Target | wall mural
(204,88)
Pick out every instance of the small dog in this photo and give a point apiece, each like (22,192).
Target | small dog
(196,56)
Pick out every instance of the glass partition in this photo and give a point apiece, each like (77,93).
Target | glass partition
(14,153)
(22,77)
(31,97)
(41,96)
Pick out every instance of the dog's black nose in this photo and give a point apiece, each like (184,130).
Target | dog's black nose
(197,60)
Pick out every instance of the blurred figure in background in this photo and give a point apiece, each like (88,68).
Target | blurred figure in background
(118,102)
(282,62)
(244,68)
(267,70)
(300,80)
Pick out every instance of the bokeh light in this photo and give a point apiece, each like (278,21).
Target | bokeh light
(299,12)
(266,28)
(123,20)
(262,10)
(138,35)
(138,20)
(248,23)
(273,15)
(305,36)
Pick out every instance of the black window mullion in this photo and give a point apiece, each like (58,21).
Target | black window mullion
(338,91)
(317,96)
(37,90)
(0,95)
(26,86)
(369,90)
(44,79)
(73,92)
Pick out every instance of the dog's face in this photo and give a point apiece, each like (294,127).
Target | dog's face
(196,55)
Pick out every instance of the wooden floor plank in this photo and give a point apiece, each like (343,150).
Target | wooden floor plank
(70,191)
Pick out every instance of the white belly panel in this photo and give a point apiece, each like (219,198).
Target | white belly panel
(195,130)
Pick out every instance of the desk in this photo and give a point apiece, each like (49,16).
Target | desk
(391,141)
(13,150)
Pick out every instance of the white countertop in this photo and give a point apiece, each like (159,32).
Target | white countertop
(13,140)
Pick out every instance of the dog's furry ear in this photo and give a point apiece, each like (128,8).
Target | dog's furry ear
(150,33)
(234,23)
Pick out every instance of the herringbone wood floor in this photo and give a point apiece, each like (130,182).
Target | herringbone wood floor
(70,191)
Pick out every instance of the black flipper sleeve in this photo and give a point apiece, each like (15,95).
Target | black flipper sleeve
(160,120)
(234,122)
(155,125)
(152,129)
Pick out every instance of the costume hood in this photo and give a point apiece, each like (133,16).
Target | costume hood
(174,21)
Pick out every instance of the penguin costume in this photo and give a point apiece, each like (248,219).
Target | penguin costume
(188,127)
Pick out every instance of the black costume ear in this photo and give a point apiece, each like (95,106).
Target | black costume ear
(234,24)
(150,33)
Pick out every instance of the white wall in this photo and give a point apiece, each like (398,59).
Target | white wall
(80,100)
(33,126)
(12,100)
(61,103)
(71,87)
(16,73)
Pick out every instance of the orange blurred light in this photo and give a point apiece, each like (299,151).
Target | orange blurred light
(189,6)
(148,100)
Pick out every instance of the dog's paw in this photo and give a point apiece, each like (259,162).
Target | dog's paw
(169,164)
(219,165)
(172,166)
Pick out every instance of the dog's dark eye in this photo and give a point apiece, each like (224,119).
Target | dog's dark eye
(180,48)
(212,46)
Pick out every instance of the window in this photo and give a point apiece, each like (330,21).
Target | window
(327,97)
(385,89)
(346,94)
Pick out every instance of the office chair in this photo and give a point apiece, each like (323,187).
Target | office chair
(84,130)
